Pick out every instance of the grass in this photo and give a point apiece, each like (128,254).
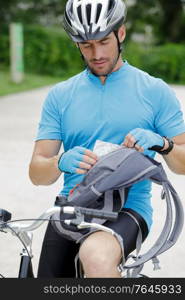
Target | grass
(31,81)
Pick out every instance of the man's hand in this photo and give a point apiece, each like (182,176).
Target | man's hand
(77,160)
(142,139)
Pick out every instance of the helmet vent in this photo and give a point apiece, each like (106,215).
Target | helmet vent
(67,18)
(99,8)
(79,10)
(111,5)
(88,11)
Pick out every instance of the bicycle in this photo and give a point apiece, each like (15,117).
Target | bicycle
(25,235)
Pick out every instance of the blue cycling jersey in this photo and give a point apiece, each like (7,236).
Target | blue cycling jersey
(82,109)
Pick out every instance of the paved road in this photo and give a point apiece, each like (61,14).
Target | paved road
(19,115)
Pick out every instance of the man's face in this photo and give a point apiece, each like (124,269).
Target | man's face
(101,55)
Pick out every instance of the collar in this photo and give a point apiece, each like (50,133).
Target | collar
(110,77)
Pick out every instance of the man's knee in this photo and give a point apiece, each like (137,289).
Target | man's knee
(100,254)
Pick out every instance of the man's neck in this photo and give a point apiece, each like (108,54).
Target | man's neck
(117,67)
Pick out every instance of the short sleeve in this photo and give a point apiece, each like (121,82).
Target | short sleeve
(169,119)
(50,123)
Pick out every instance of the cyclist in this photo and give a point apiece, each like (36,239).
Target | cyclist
(110,101)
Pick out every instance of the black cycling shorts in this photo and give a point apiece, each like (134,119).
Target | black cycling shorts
(57,255)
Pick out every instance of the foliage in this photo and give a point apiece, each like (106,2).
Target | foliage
(165,17)
(165,61)
(49,51)
(45,12)
(4,47)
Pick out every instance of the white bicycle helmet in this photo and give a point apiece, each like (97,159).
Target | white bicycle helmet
(93,19)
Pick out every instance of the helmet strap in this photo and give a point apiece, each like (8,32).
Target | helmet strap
(82,57)
(120,48)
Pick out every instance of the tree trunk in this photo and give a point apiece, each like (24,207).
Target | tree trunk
(172,11)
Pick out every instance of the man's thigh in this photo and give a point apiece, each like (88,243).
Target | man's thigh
(126,228)
(57,256)
(122,243)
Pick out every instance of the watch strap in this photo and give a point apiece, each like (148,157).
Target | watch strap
(170,147)
(159,150)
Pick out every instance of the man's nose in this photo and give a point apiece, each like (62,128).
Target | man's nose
(97,53)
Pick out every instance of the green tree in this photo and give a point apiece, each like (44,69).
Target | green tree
(166,18)
(44,12)
(172,19)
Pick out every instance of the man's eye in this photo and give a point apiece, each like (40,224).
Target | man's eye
(86,45)
(104,42)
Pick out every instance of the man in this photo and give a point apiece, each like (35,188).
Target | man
(110,101)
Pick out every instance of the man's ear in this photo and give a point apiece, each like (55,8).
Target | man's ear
(122,33)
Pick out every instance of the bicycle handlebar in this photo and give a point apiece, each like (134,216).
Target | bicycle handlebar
(112,216)
(19,227)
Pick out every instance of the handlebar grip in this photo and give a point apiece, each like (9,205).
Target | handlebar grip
(5,215)
(111,216)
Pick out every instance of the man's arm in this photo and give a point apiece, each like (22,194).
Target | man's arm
(43,169)
(176,158)
(46,167)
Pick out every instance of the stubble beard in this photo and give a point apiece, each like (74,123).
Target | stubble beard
(104,73)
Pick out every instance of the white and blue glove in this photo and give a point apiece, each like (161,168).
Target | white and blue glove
(143,139)
(77,160)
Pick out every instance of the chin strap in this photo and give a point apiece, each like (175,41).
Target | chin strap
(120,48)
(80,52)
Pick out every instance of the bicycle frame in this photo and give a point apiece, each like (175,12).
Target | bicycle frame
(24,232)
(26,269)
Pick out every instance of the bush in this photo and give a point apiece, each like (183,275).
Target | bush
(46,51)
(4,47)
(166,61)
(49,51)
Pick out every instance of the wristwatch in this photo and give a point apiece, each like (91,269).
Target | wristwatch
(166,151)
(170,146)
